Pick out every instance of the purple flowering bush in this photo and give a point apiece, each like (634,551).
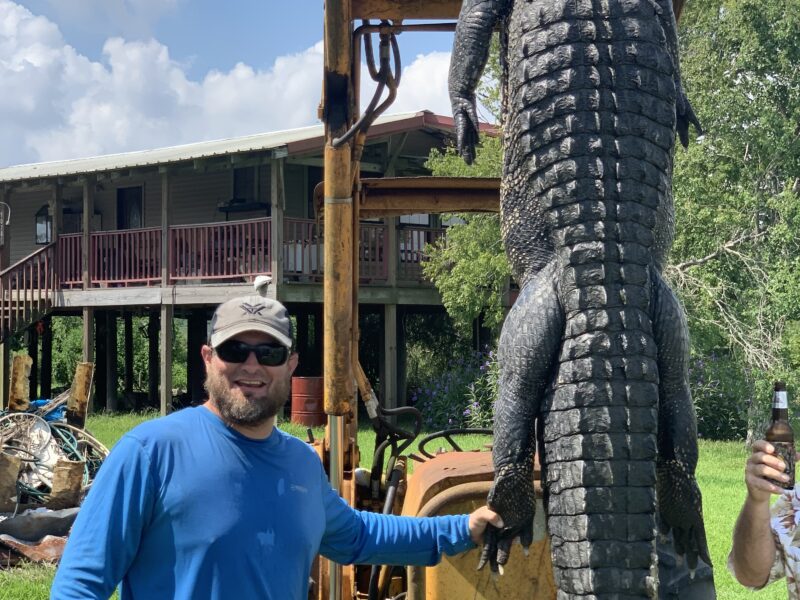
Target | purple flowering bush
(482,394)
(461,394)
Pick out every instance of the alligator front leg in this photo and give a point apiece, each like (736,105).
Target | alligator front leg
(684,112)
(470,53)
(679,499)
(528,349)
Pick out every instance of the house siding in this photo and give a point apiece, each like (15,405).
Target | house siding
(196,198)
(296,190)
(22,229)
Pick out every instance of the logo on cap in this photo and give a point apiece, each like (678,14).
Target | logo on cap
(252,309)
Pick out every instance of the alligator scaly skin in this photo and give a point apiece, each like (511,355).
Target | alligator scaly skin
(593,354)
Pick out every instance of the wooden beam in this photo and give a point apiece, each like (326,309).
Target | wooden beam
(79,395)
(47,358)
(33,352)
(153,372)
(278,204)
(405,9)
(165,214)
(5,230)
(196,335)
(425,9)
(5,369)
(165,379)
(677,7)
(338,202)
(410,195)
(100,399)
(88,334)
(319,162)
(112,368)
(338,115)
(56,204)
(395,196)
(394,153)
(250,159)
(127,320)
(88,211)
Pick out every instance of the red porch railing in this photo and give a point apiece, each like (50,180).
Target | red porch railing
(68,260)
(410,254)
(26,291)
(234,251)
(124,257)
(220,251)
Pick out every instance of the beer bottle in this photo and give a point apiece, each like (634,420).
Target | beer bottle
(780,434)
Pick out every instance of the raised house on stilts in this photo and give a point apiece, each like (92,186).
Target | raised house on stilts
(167,234)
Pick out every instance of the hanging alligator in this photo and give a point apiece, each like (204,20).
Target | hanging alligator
(593,354)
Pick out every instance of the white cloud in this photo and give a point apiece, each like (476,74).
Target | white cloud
(58,104)
(423,84)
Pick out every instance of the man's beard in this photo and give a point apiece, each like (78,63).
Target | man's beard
(237,409)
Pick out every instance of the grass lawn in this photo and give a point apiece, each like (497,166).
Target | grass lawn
(720,473)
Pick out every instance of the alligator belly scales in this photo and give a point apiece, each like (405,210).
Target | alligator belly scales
(594,352)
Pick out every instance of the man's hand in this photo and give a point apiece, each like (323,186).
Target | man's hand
(753,549)
(763,464)
(479,520)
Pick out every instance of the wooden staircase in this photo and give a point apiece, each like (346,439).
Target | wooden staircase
(27,290)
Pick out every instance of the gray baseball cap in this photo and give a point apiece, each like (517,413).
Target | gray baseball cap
(251,313)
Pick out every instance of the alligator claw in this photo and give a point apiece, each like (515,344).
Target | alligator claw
(685,117)
(466,124)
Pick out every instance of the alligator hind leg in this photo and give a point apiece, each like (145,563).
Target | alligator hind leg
(528,350)
(679,498)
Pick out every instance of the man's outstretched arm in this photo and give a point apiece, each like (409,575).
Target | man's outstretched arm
(353,536)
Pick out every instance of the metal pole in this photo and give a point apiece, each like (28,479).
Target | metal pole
(336,427)
(338,221)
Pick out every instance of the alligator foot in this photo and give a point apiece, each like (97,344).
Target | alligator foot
(513,497)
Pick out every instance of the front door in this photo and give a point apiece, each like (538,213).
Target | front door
(129,208)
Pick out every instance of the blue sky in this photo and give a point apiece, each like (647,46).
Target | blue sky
(207,34)
(89,77)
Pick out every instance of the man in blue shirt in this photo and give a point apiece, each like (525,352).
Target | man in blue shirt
(214,502)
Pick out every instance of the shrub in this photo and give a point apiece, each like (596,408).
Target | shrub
(461,395)
(431,342)
(442,399)
(721,392)
(482,394)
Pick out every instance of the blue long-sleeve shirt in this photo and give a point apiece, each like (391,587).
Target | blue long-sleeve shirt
(186,507)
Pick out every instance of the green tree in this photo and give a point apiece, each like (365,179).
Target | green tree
(68,349)
(469,266)
(736,257)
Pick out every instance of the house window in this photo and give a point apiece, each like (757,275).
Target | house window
(244,184)
(44,226)
(130,207)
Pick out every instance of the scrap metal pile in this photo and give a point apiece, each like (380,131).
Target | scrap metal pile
(47,464)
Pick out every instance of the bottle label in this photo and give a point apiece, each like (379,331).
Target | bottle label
(780,400)
(785,450)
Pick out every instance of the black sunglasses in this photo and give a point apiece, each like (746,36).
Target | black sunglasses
(268,355)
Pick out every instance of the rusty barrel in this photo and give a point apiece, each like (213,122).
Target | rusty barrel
(308,407)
